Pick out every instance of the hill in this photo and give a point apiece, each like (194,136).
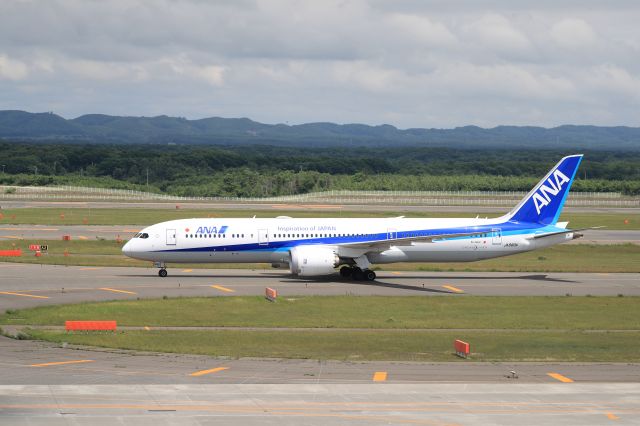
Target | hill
(99,128)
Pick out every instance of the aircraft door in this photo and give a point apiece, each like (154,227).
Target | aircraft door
(263,237)
(496,236)
(392,234)
(171,237)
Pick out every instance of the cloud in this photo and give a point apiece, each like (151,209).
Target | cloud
(12,69)
(410,63)
(495,32)
(573,33)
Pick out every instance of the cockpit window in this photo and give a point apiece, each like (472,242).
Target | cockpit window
(144,235)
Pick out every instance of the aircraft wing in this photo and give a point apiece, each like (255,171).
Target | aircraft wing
(405,241)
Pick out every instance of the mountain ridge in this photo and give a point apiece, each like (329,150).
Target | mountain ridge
(103,128)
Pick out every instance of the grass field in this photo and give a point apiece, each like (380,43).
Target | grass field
(147,216)
(365,328)
(543,313)
(561,258)
(369,345)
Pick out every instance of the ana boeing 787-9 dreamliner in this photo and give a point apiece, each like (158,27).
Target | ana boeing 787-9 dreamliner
(313,247)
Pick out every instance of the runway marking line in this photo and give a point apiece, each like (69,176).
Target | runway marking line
(560,377)
(115,290)
(49,364)
(89,269)
(452,288)
(380,376)
(219,287)
(612,416)
(203,372)
(12,237)
(187,270)
(24,295)
(396,273)
(29,229)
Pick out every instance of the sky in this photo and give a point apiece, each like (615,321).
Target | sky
(408,63)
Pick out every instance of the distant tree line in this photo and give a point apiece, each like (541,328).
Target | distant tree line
(269,170)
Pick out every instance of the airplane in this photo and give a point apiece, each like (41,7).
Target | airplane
(317,246)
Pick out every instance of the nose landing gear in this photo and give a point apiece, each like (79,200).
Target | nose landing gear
(163,271)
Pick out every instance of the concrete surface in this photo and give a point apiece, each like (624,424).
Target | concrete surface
(28,285)
(329,404)
(47,384)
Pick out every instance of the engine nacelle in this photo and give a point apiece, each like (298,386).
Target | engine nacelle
(308,261)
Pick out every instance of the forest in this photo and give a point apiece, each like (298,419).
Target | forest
(263,170)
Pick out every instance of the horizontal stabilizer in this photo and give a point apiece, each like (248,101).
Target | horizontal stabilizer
(568,231)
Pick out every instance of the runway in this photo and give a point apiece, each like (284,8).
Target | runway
(28,285)
(423,404)
(47,384)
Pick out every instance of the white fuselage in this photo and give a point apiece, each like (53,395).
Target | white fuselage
(270,240)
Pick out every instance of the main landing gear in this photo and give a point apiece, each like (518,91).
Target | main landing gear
(357,274)
(162,272)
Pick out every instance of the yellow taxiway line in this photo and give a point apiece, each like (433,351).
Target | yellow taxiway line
(612,416)
(560,377)
(24,295)
(452,288)
(203,372)
(219,287)
(380,376)
(187,270)
(48,364)
(115,290)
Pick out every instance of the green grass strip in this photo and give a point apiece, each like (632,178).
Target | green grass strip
(379,312)
(148,216)
(369,345)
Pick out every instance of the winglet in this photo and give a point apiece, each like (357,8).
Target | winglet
(545,201)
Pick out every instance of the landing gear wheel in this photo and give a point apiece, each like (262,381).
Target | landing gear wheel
(346,271)
(369,275)
(162,273)
(357,274)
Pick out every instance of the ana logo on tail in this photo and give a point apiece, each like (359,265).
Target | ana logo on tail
(542,197)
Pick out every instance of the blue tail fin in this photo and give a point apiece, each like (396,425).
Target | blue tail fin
(545,201)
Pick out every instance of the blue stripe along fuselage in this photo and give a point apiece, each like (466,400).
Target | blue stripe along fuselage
(506,228)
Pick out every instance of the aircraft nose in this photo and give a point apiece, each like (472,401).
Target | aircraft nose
(126,249)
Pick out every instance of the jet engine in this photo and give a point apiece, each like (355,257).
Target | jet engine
(308,261)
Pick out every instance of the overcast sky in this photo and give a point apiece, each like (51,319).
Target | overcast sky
(411,63)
